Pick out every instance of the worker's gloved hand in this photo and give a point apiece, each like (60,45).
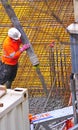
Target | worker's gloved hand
(25,47)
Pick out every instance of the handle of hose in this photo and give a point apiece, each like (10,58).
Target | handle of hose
(34,60)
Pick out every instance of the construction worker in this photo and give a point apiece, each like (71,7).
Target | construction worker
(11,54)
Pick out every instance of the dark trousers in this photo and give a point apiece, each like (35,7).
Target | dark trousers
(7,73)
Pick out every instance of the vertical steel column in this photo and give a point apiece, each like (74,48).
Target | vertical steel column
(75,2)
(73,30)
(74,98)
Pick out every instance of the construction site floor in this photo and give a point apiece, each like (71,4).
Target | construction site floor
(40,104)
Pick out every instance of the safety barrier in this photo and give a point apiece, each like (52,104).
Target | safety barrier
(42,120)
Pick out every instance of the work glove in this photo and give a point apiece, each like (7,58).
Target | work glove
(24,47)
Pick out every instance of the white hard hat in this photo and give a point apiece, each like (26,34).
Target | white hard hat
(14,33)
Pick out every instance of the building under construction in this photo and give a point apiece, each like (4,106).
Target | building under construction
(43,21)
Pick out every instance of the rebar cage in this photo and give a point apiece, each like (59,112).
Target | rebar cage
(43,21)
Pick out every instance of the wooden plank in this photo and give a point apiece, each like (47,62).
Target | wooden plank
(3,90)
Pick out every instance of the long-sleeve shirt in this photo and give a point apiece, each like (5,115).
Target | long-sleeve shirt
(11,51)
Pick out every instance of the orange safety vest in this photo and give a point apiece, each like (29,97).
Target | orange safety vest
(11,51)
